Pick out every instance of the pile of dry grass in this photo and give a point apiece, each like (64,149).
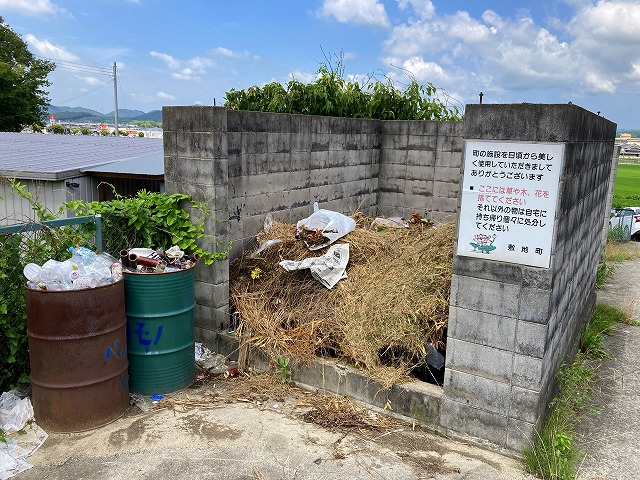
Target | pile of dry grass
(393,303)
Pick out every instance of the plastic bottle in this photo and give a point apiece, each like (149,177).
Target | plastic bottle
(82,255)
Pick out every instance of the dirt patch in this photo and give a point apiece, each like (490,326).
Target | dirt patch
(196,425)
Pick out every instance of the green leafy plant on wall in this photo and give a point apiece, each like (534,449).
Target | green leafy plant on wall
(330,94)
(152,220)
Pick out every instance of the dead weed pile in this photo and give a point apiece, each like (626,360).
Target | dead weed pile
(393,303)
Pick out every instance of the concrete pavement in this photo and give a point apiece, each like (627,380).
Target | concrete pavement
(611,439)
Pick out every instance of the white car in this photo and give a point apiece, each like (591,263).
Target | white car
(629,218)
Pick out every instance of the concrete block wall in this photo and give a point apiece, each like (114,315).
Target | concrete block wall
(196,163)
(511,326)
(420,169)
(245,165)
(281,164)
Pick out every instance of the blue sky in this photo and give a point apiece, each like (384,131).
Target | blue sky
(190,52)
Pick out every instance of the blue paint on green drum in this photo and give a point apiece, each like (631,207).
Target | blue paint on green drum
(160,330)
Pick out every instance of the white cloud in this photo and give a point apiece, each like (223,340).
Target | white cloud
(31,7)
(225,52)
(424,71)
(165,96)
(44,48)
(92,81)
(171,62)
(596,50)
(423,8)
(597,84)
(185,69)
(359,12)
(302,76)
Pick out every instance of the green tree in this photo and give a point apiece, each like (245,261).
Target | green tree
(57,128)
(23,78)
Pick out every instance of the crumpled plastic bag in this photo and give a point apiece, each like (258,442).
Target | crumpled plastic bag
(15,412)
(332,225)
(392,222)
(328,269)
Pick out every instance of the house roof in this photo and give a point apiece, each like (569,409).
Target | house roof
(58,157)
(149,164)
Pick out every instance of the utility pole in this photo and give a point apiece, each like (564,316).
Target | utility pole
(115,98)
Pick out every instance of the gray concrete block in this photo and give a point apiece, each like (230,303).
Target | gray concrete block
(318,177)
(301,123)
(201,145)
(393,128)
(525,404)
(485,295)
(534,305)
(418,172)
(540,278)
(531,339)
(255,121)
(497,271)
(204,294)
(419,188)
(170,144)
(211,318)
(300,142)
(254,142)
(320,142)
(482,328)
(194,119)
(444,205)
(527,372)
(420,158)
(319,159)
(447,174)
(421,143)
(279,142)
(475,422)
(491,363)
(477,392)
(447,190)
(337,158)
(520,435)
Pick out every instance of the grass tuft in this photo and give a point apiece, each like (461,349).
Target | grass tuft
(554,455)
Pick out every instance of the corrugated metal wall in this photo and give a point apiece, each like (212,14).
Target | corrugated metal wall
(14,209)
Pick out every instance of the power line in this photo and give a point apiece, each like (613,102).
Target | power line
(83,94)
(78,67)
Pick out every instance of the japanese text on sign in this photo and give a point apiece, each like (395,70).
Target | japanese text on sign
(509,197)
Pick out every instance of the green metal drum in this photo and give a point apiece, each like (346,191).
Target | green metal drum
(160,330)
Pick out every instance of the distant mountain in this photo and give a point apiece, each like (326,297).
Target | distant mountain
(86,115)
(153,115)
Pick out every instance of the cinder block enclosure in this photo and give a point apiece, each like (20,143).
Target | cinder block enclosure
(511,326)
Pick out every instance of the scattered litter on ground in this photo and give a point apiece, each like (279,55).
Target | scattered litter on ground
(383,317)
(266,391)
(21,434)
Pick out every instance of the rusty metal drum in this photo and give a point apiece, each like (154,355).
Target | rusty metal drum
(78,356)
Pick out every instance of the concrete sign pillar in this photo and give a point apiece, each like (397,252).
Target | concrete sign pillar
(529,237)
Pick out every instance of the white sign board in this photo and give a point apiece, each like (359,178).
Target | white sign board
(509,199)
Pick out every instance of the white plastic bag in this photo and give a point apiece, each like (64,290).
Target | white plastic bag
(332,225)
(15,412)
(328,269)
